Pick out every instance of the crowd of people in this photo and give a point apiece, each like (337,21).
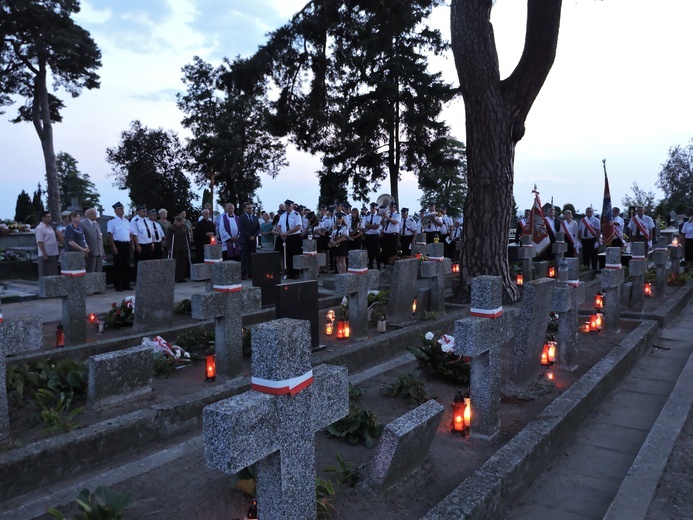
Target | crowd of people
(381,229)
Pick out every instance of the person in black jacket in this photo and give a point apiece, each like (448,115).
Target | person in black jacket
(203,232)
(249,229)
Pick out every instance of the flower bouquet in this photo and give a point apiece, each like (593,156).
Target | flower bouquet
(122,315)
(437,357)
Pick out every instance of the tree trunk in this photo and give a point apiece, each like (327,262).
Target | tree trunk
(41,118)
(495,114)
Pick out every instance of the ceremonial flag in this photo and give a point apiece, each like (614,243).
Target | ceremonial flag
(608,232)
(537,226)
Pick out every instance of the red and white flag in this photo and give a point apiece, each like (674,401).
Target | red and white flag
(537,226)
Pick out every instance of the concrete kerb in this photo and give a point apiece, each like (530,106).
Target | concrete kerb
(638,488)
(665,313)
(505,476)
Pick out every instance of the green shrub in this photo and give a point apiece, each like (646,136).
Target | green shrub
(103,504)
(409,387)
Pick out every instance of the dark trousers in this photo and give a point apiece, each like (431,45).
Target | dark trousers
(181,258)
(144,254)
(446,246)
(121,266)
(158,251)
(390,246)
(294,246)
(373,248)
(589,253)
(247,249)
(406,244)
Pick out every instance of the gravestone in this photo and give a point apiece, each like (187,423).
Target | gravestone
(661,257)
(637,269)
(21,335)
(154,294)
(542,269)
(299,300)
(4,409)
(120,375)
(419,248)
(436,251)
(72,285)
(567,299)
(526,253)
(480,336)
(402,290)
(273,425)
(531,331)
(404,445)
(612,279)
(434,271)
(675,252)
(355,284)
(309,263)
(266,275)
(223,304)
(203,272)
(559,247)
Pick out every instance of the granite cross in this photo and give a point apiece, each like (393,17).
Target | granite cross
(559,247)
(568,294)
(480,336)
(403,290)
(72,285)
(675,252)
(224,304)
(355,284)
(612,280)
(273,425)
(637,267)
(435,271)
(310,262)
(203,272)
(526,253)
(661,257)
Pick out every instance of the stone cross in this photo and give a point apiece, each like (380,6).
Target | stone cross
(4,409)
(530,333)
(203,272)
(542,269)
(435,271)
(355,285)
(72,285)
(612,280)
(637,267)
(273,425)
(675,252)
(526,253)
(568,295)
(154,294)
(224,303)
(661,257)
(480,336)
(403,290)
(310,262)
(559,247)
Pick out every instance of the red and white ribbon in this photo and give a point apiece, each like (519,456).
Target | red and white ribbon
(638,257)
(286,386)
(574,283)
(436,258)
(74,274)
(612,266)
(212,260)
(227,288)
(310,253)
(354,270)
(0,317)
(486,313)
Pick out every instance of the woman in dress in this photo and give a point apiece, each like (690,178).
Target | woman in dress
(267,237)
(570,229)
(74,236)
(338,243)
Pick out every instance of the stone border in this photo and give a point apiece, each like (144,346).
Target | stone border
(493,488)
(638,488)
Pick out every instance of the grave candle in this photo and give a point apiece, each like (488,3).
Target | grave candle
(92,317)
(210,369)
(675,242)
(458,412)
(593,324)
(647,289)
(519,279)
(329,328)
(59,336)
(382,326)
(418,256)
(586,328)
(340,329)
(599,301)
(413,306)
(467,412)
(600,321)
(550,376)
(552,272)
(212,240)
(347,330)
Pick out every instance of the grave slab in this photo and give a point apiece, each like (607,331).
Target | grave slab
(120,375)
(274,424)
(637,268)
(404,445)
(203,272)
(434,272)
(154,294)
(299,300)
(266,275)
(355,285)
(402,290)
(21,335)
(611,281)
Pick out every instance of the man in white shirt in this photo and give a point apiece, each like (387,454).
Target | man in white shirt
(390,224)
(409,232)
(118,229)
(157,235)
(432,224)
(589,231)
(141,235)
(618,227)
(289,227)
(641,227)
(371,223)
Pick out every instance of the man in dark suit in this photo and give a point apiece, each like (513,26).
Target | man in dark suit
(94,238)
(249,229)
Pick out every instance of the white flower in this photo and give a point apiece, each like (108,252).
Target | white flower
(447,343)
(429,336)
(374,291)
(344,301)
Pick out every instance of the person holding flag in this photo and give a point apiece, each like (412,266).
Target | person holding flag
(588,233)
(618,228)
(537,226)
(607,223)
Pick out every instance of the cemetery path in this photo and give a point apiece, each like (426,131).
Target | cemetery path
(596,468)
